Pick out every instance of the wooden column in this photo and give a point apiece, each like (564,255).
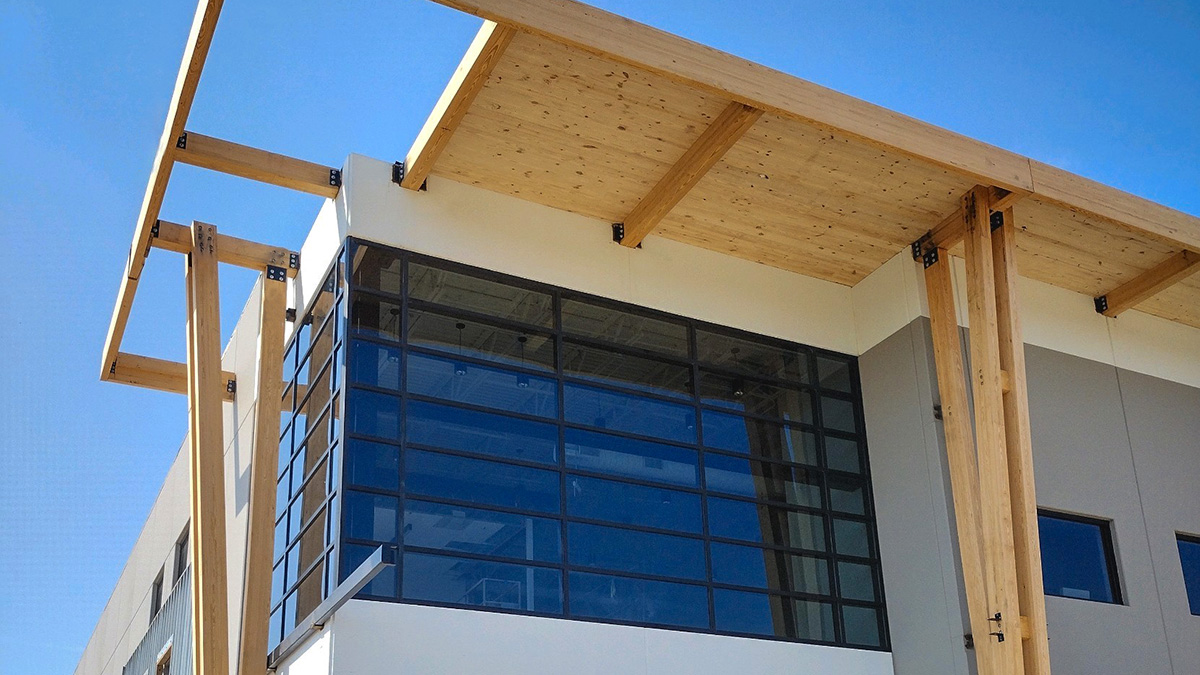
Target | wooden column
(1026,542)
(264,463)
(210,622)
(960,447)
(986,381)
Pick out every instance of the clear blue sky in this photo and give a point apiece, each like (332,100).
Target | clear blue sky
(1107,89)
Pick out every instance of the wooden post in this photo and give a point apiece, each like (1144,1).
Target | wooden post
(1026,542)
(995,505)
(960,449)
(210,622)
(260,539)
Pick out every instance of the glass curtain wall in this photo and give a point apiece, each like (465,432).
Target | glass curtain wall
(541,451)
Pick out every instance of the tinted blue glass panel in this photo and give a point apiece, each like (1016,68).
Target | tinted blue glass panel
(375,364)
(505,346)
(375,317)
(627,412)
(620,550)
(373,414)
(452,428)
(485,296)
(605,453)
(634,372)
(769,569)
(659,334)
(463,581)
(638,600)
(762,480)
(482,385)
(353,555)
(1075,559)
(370,516)
(433,474)
(482,532)
(633,504)
(756,398)
(862,625)
(750,436)
(814,620)
(765,524)
(740,612)
(856,581)
(1189,558)
(372,464)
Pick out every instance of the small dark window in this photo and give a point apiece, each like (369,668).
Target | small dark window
(1189,558)
(1077,558)
(164,663)
(181,556)
(156,595)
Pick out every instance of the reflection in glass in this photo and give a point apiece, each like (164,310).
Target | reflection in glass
(506,346)
(494,298)
(481,385)
(434,474)
(765,524)
(600,322)
(748,435)
(833,374)
(626,412)
(605,453)
(861,624)
(353,555)
(630,504)
(373,414)
(856,581)
(444,426)
(635,372)
(847,495)
(621,550)
(638,600)
(371,464)
(769,569)
(755,357)
(838,414)
(756,398)
(463,581)
(762,480)
(850,537)
(842,454)
(375,267)
(480,531)
(375,364)
(374,316)
(370,516)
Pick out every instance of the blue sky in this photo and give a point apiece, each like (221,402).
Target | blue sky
(1107,89)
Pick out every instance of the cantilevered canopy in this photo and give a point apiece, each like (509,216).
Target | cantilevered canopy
(569,106)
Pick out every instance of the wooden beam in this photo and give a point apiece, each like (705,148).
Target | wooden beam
(231,250)
(210,598)
(1019,445)
(259,165)
(195,52)
(466,83)
(1142,287)
(960,448)
(160,374)
(994,501)
(949,232)
(260,538)
(720,74)
(729,126)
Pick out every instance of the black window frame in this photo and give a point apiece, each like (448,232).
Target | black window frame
(1192,540)
(1108,547)
(809,388)
(182,555)
(157,594)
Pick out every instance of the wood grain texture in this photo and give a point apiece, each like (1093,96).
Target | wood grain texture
(995,506)
(195,52)
(160,374)
(734,121)
(1152,282)
(210,595)
(466,83)
(1018,441)
(230,250)
(260,535)
(260,165)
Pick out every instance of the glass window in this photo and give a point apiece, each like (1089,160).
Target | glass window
(531,449)
(481,532)
(433,474)
(482,583)
(643,601)
(1189,559)
(630,504)
(485,386)
(621,550)
(1077,558)
(656,462)
(444,426)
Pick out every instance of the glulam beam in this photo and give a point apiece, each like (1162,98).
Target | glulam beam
(1148,284)
(255,164)
(466,83)
(721,135)
(230,250)
(162,375)
(949,232)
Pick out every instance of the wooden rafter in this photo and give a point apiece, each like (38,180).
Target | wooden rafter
(210,597)
(230,250)
(949,232)
(729,126)
(163,375)
(466,83)
(1162,276)
(260,540)
(194,55)
(1023,497)
(255,164)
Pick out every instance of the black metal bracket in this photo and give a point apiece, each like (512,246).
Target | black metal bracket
(294,261)
(618,232)
(918,246)
(997,220)
(112,370)
(937,412)
(930,257)
(276,273)
(969,641)
(999,632)
(999,635)
(335,177)
(181,142)
(154,229)
(290,314)
(231,386)
(1101,304)
(398,173)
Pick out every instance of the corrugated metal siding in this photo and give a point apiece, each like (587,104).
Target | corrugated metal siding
(172,626)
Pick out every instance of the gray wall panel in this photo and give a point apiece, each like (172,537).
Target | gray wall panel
(172,627)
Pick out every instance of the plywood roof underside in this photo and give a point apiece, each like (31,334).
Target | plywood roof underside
(567,128)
